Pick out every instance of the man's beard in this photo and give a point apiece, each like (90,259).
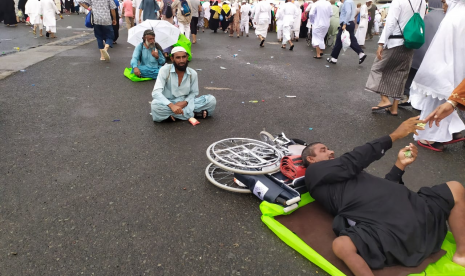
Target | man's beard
(180,68)
(150,45)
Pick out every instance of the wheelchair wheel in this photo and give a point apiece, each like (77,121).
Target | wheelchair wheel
(224,179)
(246,156)
(267,137)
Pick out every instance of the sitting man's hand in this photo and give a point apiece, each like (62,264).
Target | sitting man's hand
(407,127)
(406,156)
(155,53)
(137,72)
(181,104)
(176,109)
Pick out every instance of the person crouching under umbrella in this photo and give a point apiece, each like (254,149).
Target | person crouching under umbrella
(147,58)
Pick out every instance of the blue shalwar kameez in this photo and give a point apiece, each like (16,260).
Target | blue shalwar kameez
(149,66)
(167,91)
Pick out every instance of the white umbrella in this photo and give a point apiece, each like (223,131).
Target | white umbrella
(165,33)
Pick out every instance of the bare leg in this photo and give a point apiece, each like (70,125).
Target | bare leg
(318,51)
(457,221)
(345,250)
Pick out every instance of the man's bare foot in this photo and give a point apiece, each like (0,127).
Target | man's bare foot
(381,105)
(460,260)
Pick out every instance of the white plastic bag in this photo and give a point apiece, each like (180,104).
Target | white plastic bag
(345,39)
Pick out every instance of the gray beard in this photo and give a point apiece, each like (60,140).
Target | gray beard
(151,45)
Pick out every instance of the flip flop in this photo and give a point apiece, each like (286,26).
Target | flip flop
(292,47)
(390,113)
(436,146)
(315,57)
(261,43)
(456,137)
(202,114)
(106,55)
(378,108)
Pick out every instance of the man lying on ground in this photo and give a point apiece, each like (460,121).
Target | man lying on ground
(175,90)
(147,58)
(380,222)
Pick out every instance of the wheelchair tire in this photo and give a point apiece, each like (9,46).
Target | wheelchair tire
(224,179)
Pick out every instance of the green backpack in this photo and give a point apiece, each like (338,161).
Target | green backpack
(414,31)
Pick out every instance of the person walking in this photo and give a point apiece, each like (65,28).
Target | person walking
(201,24)
(346,20)
(195,12)
(441,71)
(135,9)
(262,20)
(245,11)
(289,13)
(33,8)
(7,9)
(372,9)
(279,24)
(235,19)
(393,60)
(296,27)
(333,23)
(184,20)
(47,12)
(320,16)
(206,14)
(225,13)
(362,26)
(215,12)
(148,9)
(128,13)
(116,26)
(103,22)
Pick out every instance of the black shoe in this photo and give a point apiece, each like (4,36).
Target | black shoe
(362,59)
(47,34)
(330,60)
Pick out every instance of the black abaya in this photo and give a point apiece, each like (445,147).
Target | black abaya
(213,24)
(9,16)
(225,22)
(394,226)
(116,27)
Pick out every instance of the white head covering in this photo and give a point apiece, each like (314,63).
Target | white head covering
(178,49)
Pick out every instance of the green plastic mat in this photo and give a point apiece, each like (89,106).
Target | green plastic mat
(443,267)
(133,77)
(186,44)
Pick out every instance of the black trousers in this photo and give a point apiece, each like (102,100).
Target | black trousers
(353,41)
(411,76)
(194,22)
(116,27)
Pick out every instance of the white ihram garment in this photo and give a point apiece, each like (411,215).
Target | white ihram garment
(48,9)
(279,23)
(245,9)
(320,16)
(262,18)
(290,14)
(441,70)
(362,26)
(296,25)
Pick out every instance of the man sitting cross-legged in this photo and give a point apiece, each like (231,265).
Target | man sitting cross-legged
(380,222)
(175,90)
(147,58)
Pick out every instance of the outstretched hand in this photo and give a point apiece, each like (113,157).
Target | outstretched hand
(407,127)
(439,114)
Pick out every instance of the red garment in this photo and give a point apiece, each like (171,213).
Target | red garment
(292,167)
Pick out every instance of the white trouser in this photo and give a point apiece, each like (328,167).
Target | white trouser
(245,26)
(286,34)
(185,29)
(279,30)
(52,29)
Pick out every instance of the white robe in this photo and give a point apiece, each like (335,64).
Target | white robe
(320,16)
(363,26)
(290,14)
(48,11)
(308,9)
(279,23)
(206,10)
(33,8)
(377,22)
(262,18)
(439,74)
(245,9)
(296,26)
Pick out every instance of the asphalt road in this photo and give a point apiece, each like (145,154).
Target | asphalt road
(22,37)
(82,194)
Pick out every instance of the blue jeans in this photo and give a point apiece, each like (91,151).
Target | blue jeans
(104,33)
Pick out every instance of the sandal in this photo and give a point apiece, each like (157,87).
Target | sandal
(388,111)
(378,108)
(292,47)
(456,137)
(436,146)
(284,46)
(202,114)
(315,57)
(261,43)
(102,59)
